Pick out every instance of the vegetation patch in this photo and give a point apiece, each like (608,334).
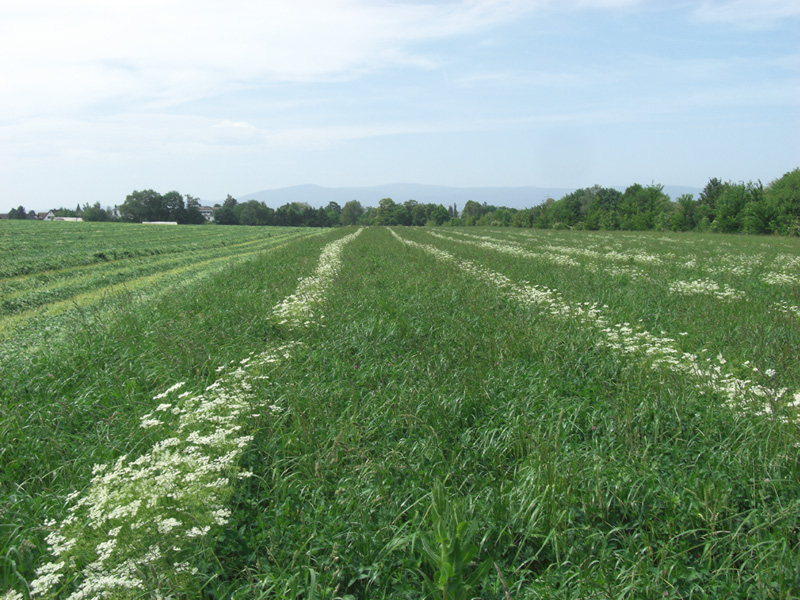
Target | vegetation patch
(405,413)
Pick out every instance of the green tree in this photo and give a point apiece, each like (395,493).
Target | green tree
(94,213)
(18,213)
(174,207)
(601,212)
(728,207)
(420,214)
(193,214)
(642,208)
(410,206)
(147,205)
(334,214)
(438,214)
(292,214)
(757,216)
(782,197)
(523,218)
(66,212)
(387,212)
(254,212)
(225,215)
(573,208)
(315,217)
(542,215)
(683,216)
(352,213)
(707,201)
(472,212)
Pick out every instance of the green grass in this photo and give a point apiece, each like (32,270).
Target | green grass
(73,392)
(52,268)
(434,414)
(28,247)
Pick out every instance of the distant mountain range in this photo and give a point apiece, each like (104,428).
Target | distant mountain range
(511,197)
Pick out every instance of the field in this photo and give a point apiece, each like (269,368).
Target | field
(398,413)
(44,270)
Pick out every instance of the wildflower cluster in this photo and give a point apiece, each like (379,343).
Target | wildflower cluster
(141,519)
(710,373)
(510,248)
(789,309)
(730,263)
(560,255)
(661,351)
(707,287)
(788,263)
(297,310)
(780,278)
(640,257)
(784,270)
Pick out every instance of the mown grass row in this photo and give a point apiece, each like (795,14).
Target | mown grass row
(21,299)
(33,247)
(73,391)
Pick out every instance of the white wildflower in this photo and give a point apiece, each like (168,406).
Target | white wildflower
(167,525)
(198,531)
(47,576)
(170,390)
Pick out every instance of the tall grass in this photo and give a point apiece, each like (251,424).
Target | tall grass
(577,472)
(74,390)
(431,435)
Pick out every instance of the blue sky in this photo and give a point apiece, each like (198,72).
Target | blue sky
(98,99)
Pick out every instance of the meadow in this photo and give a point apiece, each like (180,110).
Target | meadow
(398,413)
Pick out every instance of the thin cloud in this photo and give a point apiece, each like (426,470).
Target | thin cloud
(748,14)
(173,51)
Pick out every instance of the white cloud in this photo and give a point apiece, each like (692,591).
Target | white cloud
(60,57)
(748,14)
(607,3)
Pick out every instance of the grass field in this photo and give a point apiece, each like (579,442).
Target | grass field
(51,267)
(378,413)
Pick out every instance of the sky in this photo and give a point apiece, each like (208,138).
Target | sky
(210,98)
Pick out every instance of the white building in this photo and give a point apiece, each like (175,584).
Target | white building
(207,212)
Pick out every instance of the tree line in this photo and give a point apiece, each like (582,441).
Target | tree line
(21,213)
(725,207)
(149,205)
